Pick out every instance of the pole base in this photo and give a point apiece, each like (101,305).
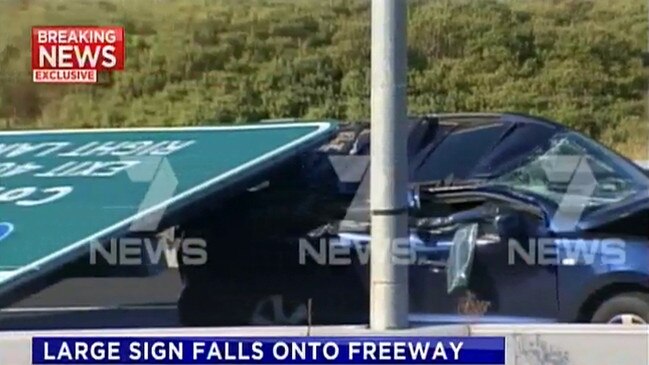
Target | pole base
(387,310)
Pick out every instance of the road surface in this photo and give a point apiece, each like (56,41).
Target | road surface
(123,302)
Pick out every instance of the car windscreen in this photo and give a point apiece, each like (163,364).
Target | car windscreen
(572,169)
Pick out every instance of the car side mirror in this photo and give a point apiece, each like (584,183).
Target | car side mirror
(509,225)
(414,200)
(460,258)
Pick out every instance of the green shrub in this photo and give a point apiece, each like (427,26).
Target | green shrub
(225,61)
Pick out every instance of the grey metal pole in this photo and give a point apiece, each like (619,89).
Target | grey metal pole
(388,172)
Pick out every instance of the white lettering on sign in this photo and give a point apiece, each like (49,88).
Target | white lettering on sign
(167,147)
(130,148)
(19,149)
(79,151)
(8,169)
(54,146)
(16,194)
(75,161)
(127,148)
(22,149)
(88,168)
(94,148)
(37,196)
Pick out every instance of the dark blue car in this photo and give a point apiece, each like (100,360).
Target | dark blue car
(559,231)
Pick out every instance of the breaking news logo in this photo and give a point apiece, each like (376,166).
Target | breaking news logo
(63,54)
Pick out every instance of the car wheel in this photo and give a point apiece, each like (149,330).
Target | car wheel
(627,308)
(276,310)
(209,307)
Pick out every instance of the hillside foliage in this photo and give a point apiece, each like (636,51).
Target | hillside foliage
(192,62)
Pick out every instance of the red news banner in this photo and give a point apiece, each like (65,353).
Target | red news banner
(62,54)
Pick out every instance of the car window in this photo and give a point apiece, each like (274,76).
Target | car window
(460,152)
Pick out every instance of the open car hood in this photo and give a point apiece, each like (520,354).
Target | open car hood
(445,149)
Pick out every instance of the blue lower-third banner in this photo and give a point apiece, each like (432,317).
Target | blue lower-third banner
(268,350)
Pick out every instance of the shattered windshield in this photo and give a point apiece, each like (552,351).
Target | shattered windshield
(572,166)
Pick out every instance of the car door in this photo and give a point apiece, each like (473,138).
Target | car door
(458,149)
(505,284)
(508,273)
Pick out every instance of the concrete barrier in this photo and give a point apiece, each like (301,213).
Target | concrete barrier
(564,344)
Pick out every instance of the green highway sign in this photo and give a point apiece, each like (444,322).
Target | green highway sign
(60,190)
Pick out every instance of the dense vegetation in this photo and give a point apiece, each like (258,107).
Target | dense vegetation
(223,61)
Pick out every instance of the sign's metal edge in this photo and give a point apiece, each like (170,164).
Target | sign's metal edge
(40,266)
(167,129)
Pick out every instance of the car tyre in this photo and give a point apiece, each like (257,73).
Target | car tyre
(627,308)
(279,311)
(204,307)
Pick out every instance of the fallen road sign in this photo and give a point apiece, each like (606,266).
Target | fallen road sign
(60,190)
